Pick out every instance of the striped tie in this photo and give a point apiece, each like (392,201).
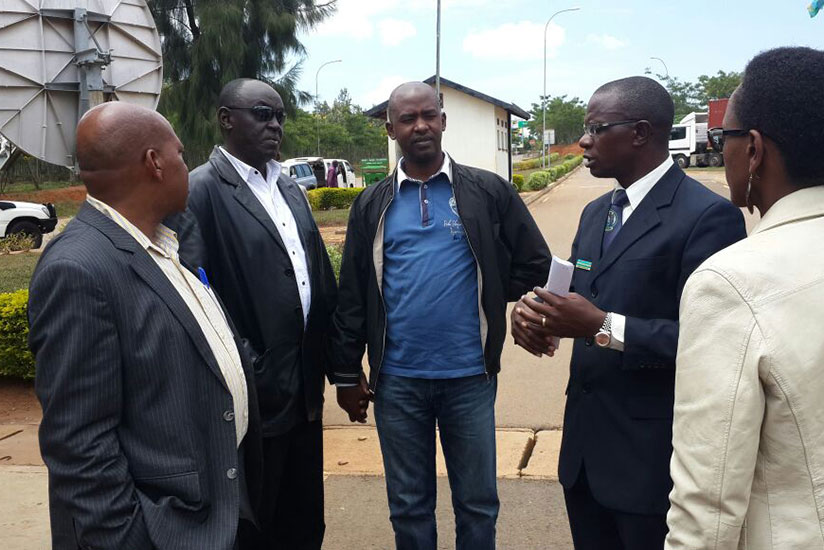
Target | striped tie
(614,218)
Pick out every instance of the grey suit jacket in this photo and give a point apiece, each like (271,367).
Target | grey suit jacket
(137,430)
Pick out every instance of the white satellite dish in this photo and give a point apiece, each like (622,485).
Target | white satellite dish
(58,58)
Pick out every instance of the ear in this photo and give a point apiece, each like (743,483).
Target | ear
(390,130)
(224,118)
(443,121)
(153,164)
(642,133)
(755,151)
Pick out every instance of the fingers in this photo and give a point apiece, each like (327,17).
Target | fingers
(551,299)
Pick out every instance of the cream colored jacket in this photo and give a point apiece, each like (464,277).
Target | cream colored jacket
(748,434)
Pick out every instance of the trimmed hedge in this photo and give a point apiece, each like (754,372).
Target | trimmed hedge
(15,358)
(531,164)
(327,198)
(518,182)
(539,180)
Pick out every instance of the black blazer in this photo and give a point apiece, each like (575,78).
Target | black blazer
(618,418)
(136,432)
(228,232)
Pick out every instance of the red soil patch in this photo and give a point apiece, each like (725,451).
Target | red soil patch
(573,149)
(18,404)
(66,194)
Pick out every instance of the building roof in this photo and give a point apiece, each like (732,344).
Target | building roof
(379,111)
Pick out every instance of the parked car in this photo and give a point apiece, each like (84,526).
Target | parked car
(320,165)
(27,218)
(301,172)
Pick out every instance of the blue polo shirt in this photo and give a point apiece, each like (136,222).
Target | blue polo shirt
(430,283)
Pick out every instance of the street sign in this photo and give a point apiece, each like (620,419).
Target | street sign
(521,124)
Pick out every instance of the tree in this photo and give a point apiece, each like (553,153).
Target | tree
(565,116)
(719,86)
(207,43)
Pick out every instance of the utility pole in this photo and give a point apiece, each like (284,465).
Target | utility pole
(545,146)
(317,97)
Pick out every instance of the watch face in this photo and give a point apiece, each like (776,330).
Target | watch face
(602,339)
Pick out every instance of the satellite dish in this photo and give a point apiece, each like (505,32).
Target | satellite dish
(58,58)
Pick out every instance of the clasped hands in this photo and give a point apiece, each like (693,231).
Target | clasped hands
(355,399)
(535,323)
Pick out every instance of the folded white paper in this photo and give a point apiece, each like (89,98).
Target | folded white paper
(560,277)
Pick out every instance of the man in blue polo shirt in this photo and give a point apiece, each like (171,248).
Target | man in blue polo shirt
(433,253)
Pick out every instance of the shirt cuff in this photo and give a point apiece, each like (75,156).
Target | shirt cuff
(619,324)
(345,385)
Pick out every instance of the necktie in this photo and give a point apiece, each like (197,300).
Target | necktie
(614,217)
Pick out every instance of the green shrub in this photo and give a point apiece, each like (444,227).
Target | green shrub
(326,198)
(15,358)
(15,242)
(537,180)
(335,252)
(518,182)
(531,164)
(569,156)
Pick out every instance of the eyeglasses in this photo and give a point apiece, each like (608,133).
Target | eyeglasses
(598,127)
(263,113)
(718,136)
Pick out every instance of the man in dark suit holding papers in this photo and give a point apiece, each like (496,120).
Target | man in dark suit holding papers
(634,249)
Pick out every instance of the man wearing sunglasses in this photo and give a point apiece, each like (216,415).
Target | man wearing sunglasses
(260,249)
(634,249)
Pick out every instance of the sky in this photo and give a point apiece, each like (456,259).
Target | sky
(496,46)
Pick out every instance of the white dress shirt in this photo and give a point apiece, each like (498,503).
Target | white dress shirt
(268,193)
(203,304)
(635,193)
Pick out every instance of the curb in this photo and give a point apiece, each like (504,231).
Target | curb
(532,198)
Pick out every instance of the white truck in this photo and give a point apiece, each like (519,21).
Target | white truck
(688,143)
(28,218)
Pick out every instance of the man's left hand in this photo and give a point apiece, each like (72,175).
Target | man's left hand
(569,317)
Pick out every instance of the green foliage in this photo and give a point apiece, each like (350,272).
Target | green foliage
(345,132)
(565,116)
(518,182)
(539,180)
(531,164)
(335,252)
(15,358)
(691,97)
(332,197)
(207,43)
(15,242)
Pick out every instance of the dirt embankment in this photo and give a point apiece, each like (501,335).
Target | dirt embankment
(65,194)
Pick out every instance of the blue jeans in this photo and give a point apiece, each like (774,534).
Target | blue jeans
(406,411)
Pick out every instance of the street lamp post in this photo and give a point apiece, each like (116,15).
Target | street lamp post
(317,122)
(664,64)
(544,146)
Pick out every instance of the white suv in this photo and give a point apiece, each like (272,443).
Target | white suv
(28,218)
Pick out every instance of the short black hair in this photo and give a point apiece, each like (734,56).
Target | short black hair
(229,94)
(780,96)
(643,98)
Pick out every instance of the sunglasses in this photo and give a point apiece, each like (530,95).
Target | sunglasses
(718,136)
(263,113)
(598,127)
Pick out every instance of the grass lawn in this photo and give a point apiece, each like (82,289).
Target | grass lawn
(28,187)
(67,209)
(331,218)
(16,270)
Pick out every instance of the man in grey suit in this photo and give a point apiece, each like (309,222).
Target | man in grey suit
(150,430)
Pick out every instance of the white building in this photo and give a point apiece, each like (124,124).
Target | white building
(477,128)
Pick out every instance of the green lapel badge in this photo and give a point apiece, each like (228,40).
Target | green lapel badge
(583,264)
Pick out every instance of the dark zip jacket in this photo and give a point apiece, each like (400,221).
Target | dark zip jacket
(509,250)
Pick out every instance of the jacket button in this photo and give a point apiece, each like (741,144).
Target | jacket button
(231,473)
(594,292)
(228,416)
(586,388)
(589,341)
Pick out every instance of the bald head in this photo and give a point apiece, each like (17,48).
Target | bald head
(410,90)
(115,136)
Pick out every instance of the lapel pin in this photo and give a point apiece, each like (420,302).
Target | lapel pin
(586,265)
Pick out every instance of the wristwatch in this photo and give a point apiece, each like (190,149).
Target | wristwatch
(604,335)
